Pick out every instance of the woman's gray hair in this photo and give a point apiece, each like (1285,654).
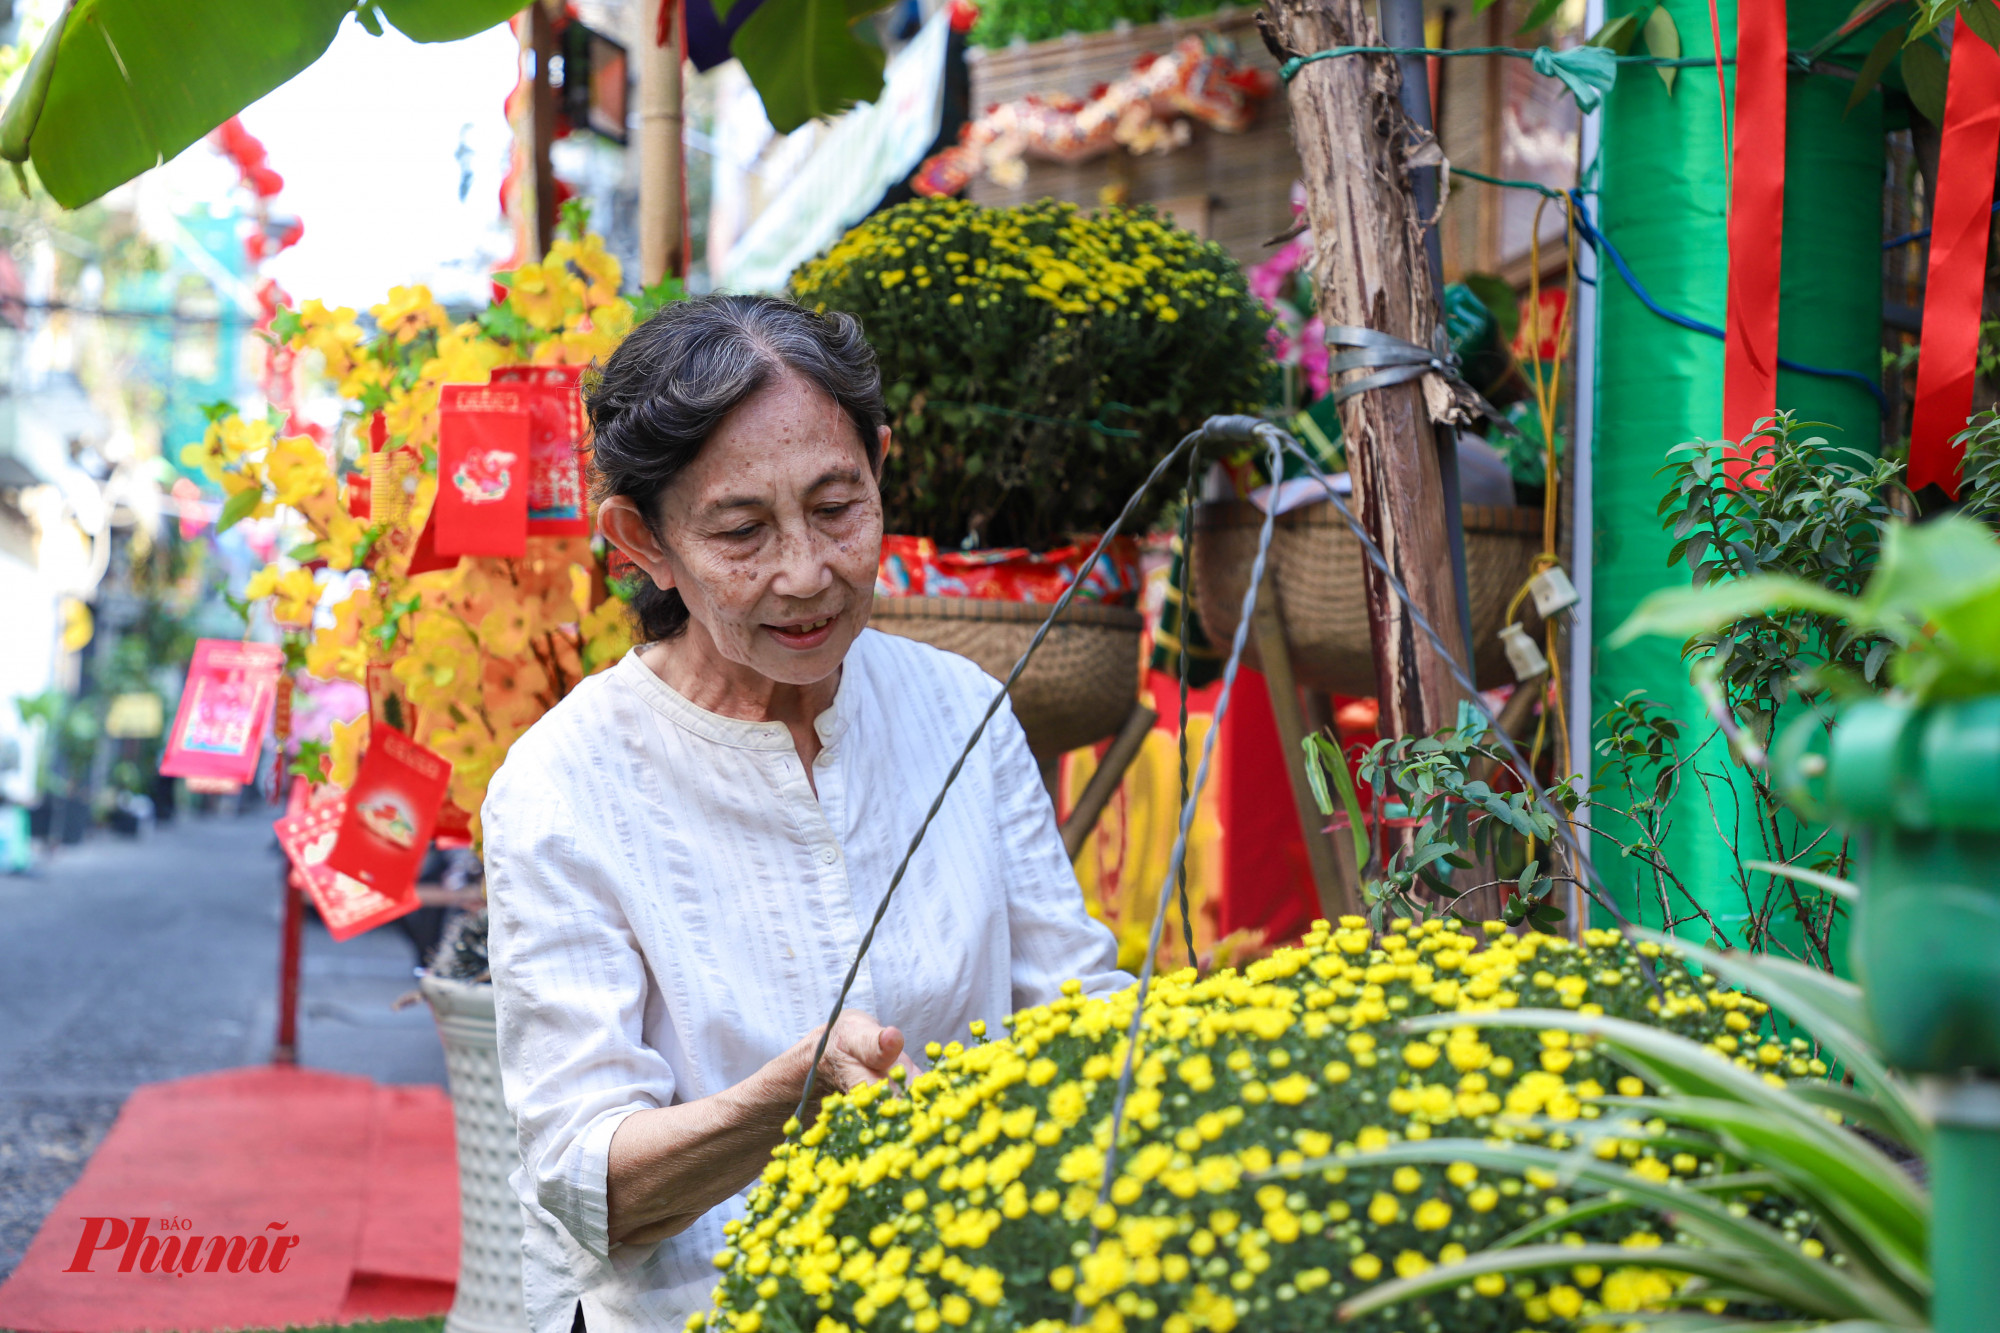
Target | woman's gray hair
(661,395)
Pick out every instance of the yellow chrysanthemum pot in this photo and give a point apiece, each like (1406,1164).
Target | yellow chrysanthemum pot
(973,1201)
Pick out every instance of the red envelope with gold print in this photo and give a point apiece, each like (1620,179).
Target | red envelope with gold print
(555,448)
(345,904)
(391,810)
(483,470)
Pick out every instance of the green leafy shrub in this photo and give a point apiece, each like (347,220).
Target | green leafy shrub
(973,1201)
(1037,360)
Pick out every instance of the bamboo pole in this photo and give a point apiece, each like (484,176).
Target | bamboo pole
(662,166)
(539,36)
(1370,270)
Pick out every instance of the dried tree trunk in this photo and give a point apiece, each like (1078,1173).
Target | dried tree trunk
(1370,269)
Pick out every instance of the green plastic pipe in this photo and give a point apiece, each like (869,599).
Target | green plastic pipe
(1664,204)
(1919,782)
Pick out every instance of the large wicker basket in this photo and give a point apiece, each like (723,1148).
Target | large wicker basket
(1316,565)
(1079,686)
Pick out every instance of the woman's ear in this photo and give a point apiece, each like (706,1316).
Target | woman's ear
(884,443)
(619,519)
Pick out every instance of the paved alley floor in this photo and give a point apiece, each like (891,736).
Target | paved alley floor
(124,962)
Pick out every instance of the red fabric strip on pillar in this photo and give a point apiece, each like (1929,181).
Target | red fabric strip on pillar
(1957,278)
(1756,221)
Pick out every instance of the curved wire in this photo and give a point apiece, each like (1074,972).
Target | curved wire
(1190,440)
(1178,857)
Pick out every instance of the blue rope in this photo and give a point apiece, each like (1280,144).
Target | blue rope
(1910,238)
(1603,243)
(1593,236)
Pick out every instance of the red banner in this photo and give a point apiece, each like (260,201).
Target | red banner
(1756,221)
(1950,345)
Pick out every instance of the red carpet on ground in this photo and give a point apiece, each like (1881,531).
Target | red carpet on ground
(362,1177)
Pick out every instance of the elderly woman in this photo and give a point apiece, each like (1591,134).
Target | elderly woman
(683,855)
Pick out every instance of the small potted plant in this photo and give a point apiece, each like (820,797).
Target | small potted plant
(1036,362)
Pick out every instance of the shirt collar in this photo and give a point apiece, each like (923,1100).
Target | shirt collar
(679,709)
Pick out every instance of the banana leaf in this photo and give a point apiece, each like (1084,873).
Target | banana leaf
(120,86)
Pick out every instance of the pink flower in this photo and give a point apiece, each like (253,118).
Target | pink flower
(1313,357)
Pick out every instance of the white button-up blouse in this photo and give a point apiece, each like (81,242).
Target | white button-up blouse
(672,906)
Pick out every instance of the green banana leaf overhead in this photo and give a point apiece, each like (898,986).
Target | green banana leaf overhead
(804,58)
(119,86)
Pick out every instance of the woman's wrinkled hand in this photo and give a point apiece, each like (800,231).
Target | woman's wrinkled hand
(860,1051)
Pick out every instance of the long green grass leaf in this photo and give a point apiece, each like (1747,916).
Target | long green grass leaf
(1680,1258)
(1763,1260)
(1827,1007)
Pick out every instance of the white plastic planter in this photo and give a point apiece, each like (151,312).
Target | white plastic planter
(489,1259)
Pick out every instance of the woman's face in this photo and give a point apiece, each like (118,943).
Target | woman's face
(774,532)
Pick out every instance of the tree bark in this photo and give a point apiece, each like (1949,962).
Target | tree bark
(1370,269)
(540,37)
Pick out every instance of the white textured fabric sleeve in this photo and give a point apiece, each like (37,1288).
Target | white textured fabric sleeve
(1054,938)
(569,990)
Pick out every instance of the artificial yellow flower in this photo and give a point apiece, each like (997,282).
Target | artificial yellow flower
(344,754)
(544,294)
(465,355)
(297,468)
(441,666)
(409,312)
(598,266)
(338,651)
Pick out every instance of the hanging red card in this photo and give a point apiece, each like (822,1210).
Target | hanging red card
(483,472)
(391,810)
(345,904)
(425,558)
(219,730)
(454,826)
(555,448)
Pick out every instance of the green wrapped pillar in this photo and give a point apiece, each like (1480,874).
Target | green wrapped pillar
(1664,205)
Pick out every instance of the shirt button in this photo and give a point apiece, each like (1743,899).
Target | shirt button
(828,856)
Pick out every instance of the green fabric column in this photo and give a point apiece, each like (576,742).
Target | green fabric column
(1665,206)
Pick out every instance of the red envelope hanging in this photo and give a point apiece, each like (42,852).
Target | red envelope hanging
(424,557)
(219,730)
(345,904)
(391,809)
(483,472)
(454,826)
(555,448)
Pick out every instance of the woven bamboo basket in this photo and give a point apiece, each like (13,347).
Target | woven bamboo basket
(1316,565)
(1078,687)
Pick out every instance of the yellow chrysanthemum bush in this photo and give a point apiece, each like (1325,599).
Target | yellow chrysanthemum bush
(476,652)
(1036,360)
(1243,1193)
